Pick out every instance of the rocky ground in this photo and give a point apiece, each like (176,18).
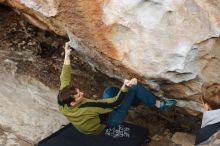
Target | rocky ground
(39,54)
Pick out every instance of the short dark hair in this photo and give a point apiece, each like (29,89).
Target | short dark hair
(211,94)
(65,95)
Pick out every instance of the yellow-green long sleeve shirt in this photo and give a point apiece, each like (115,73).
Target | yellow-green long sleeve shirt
(86,116)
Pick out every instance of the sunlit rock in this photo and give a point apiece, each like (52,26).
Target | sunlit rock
(27,106)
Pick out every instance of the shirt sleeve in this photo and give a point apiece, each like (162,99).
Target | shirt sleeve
(102,106)
(65,77)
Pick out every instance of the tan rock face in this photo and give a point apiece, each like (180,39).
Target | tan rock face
(28,107)
(166,41)
(183,139)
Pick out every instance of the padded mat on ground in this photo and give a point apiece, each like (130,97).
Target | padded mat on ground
(122,135)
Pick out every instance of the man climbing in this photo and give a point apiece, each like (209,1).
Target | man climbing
(92,116)
(211,117)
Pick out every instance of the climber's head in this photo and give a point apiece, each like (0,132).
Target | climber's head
(70,96)
(211,95)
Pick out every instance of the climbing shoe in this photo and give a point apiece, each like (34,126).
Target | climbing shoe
(167,103)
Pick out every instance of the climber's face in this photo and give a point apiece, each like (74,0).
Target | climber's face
(78,97)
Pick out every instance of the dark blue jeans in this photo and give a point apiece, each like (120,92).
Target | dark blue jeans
(135,95)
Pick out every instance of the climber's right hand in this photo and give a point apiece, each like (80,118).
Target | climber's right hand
(67,49)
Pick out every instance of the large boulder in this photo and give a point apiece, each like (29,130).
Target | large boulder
(28,108)
(170,45)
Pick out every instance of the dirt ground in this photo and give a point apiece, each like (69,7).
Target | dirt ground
(40,54)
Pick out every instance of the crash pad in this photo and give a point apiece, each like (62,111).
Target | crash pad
(122,135)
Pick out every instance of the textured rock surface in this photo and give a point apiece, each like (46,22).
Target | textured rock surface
(27,106)
(174,43)
(183,139)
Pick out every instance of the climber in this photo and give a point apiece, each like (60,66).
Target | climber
(210,97)
(92,116)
